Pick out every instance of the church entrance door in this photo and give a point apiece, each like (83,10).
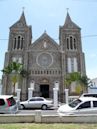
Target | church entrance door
(44,90)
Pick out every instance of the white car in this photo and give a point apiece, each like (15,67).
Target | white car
(82,105)
(37,102)
(8,104)
(89,95)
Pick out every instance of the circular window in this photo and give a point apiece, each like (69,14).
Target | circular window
(44,59)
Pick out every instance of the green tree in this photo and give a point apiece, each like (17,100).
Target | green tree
(15,71)
(83,81)
(71,77)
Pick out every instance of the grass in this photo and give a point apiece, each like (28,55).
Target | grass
(47,126)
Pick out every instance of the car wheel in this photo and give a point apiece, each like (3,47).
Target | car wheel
(44,107)
(22,106)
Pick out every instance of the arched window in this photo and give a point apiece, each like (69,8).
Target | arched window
(14,44)
(74,43)
(71,43)
(18,42)
(72,65)
(22,41)
(18,46)
(67,43)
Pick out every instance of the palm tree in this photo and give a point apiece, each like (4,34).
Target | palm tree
(15,71)
(82,81)
(71,77)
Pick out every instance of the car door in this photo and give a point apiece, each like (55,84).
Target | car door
(94,107)
(31,103)
(39,102)
(35,103)
(84,108)
(2,106)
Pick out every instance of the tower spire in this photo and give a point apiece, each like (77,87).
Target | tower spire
(68,21)
(23,9)
(22,18)
(67,9)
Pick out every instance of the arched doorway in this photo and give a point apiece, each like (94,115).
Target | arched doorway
(44,88)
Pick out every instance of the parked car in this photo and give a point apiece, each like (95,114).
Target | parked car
(89,95)
(37,102)
(8,104)
(82,105)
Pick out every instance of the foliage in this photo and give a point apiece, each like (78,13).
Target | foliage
(83,81)
(75,76)
(15,71)
(13,67)
(78,89)
(24,73)
(7,70)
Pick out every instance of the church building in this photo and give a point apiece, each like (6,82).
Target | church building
(47,61)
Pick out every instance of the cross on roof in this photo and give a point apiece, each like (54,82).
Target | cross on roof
(67,9)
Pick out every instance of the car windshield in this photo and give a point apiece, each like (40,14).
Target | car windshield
(74,103)
(11,101)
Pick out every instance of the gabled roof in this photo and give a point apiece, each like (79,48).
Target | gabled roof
(69,23)
(21,21)
(44,37)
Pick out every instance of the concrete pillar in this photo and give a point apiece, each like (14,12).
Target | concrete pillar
(66,96)
(32,84)
(55,97)
(31,89)
(18,94)
(38,116)
(30,93)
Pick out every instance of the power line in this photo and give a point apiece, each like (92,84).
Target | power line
(85,36)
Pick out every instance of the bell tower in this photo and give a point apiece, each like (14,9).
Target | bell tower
(20,37)
(71,47)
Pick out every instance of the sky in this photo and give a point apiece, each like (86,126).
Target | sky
(49,15)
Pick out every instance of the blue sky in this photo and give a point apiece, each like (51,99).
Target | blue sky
(49,15)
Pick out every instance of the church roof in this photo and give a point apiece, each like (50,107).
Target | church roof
(44,37)
(21,22)
(69,23)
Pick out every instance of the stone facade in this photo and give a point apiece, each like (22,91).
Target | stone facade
(46,60)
